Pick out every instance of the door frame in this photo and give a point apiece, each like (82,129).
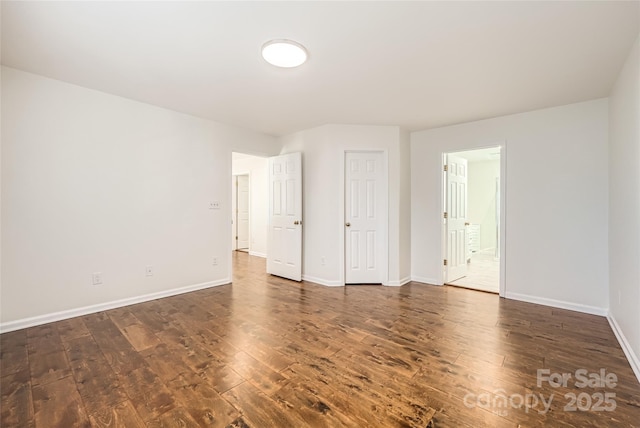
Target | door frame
(384,221)
(503,208)
(229,199)
(235,220)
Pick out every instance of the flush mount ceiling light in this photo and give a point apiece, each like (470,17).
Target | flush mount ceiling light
(284,53)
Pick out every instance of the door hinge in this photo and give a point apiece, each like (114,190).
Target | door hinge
(445,262)
(445,215)
(446,168)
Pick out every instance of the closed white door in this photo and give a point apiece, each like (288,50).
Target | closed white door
(364,206)
(242,220)
(284,251)
(456,218)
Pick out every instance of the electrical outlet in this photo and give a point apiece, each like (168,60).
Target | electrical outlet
(96,278)
(149,270)
(214,261)
(214,205)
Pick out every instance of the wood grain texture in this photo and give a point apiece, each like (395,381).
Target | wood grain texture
(16,403)
(58,404)
(267,352)
(122,415)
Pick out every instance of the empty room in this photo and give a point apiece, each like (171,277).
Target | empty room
(309,214)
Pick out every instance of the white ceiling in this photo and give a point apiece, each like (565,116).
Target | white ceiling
(414,64)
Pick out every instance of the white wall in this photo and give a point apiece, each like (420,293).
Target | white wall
(257,168)
(482,199)
(556,201)
(624,206)
(97,183)
(323,201)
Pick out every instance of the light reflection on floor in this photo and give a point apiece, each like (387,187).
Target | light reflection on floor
(483,273)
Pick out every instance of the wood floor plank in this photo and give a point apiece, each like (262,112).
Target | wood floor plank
(46,368)
(140,336)
(14,355)
(43,339)
(260,410)
(71,329)
(363,406)
(148,394)
(122,415)
(192,392)
(204,404)
(58,404)
(118,351)
(16,402)
(304,398)
(96,382)
(261,376)
(210,366)
(175,418)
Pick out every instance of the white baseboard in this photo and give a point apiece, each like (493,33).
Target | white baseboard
(257,254)
(633,359)
(322,281)
(424,280)
(398,283)
(561,304)
(72,313)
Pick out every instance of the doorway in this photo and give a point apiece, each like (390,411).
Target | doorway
(249,204)
(473,220)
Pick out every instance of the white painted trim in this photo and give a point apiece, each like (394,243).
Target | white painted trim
(633,359)
(321,281)
(561,304)
(72,313)
(257,254)
(398,283)
(424,280)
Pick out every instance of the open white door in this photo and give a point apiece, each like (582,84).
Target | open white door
(234,212)
(284,246)
(456,218)
(364,214)
(242,220)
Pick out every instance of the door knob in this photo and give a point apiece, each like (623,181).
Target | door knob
(467,224)
(348,224)
(296,222)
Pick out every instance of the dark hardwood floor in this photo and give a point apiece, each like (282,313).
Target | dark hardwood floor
(267,352)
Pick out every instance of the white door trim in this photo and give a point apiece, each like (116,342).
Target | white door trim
(503,210)
(384,223)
